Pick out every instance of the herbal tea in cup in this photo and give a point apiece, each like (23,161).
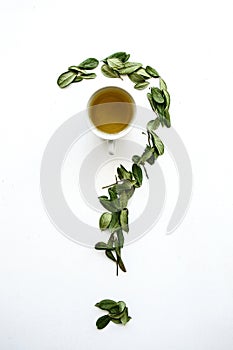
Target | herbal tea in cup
(111,111)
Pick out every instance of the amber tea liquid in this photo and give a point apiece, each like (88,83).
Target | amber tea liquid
(111,109)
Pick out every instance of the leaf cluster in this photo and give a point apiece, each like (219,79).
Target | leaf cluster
(115,220)
(75,74)
(117,313)
(117,65)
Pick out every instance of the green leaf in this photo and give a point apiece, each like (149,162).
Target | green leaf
(65,79)
(116,321)
(89,63)
(124,220)
(108,204)
(121,239)
(141,86)
(136,78)
(103,321)
(151,160)
(109,72)
(123,173)
(110,242)
(167,121)
(123,200)
(88,76)
(153,124)
(143,72)
(157,143)
(157,95)
(115,223)
(115,63)
(77,79)
(116,316)
(125,185)
(152,72)
(121,305)
(130,192)
(106,304)
(160,111)
(129,67)
(76,70)
(162,84)
(125,317)
(135,159)
(123,56)
(152,102)
(112,192)
(110,255)
(104,221)
(121,264)
(137,173)
(101,246)
(167,99)
(148,152)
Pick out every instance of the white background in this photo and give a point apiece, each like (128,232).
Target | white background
(179,288)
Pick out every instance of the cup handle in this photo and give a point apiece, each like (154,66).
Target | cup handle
(111,147)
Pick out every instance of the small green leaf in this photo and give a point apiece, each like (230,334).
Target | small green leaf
(157,143)
(135,159)
(152,72)
(77,79)
(123,56)
(125,317)
(151,160)
(152,102)
(116,316)
(103,321)
(106,304)
(108,204)
(141,86)
(129,67)
(89,63)
(76,70)
(101,246)
(121,239)
(123,200)
(116,321)
(109,72)
(123,173)
(167,99)
(115,63)
(153,124)
(115,223)
(124,220)
(148,152)
(157,95)
(143,72)
(104,221)
(167,121)
(136,78)
(112,192)
(121,305)
(162,84)
(110,255)
(121,264)
(137,173)
(125,185)
(65,79)
(88,76)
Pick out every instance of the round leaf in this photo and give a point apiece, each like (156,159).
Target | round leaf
(66,79)
(104,221)
(103,321)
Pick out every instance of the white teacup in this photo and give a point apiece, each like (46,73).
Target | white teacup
(111,112)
